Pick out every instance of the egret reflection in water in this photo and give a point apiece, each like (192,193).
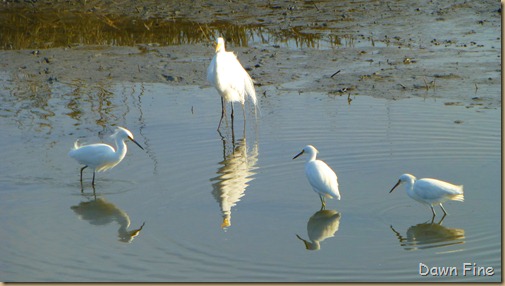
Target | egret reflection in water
(322,224)
(234,174)
(101,212)
(430,235)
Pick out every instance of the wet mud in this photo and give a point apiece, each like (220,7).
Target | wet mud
(392,49)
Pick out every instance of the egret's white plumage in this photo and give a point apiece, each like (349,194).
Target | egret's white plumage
(231,80)
(101,157)
(431,191)
(321,177)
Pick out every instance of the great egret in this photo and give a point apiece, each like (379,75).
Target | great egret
(231,80)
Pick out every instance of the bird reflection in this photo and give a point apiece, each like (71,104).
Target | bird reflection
(321,225)
(101,212)
(235,172)
(430,235)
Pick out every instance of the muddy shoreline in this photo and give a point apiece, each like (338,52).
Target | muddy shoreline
(388,50)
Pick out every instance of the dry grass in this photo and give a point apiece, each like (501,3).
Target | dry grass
(26,27)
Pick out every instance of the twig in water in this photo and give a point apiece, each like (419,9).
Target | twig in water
(335,73)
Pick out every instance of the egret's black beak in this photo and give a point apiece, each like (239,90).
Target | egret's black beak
(136,143)
(298,154)
(399,181)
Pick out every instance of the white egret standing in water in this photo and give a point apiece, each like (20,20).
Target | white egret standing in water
(321,177)
(231,80)
(101,157)
(431,191)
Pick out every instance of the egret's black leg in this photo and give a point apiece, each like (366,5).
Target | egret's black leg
(82,169)
(232,116)
(323,203)
(232,112)
(93,182)
(222,112)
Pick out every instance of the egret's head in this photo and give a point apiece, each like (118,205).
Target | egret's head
(404,179)
(309,149)
(220,44)
(124,133)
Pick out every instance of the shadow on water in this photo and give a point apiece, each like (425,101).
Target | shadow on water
(430,235)
(99,211)
(26,28)
(234,174)
(322,224)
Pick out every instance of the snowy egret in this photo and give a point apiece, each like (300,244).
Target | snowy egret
(101,157)
(431,191)
(321,177)
(231,80)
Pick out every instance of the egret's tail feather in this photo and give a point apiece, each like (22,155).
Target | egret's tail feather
(459,197)
(251,93)
(77,144)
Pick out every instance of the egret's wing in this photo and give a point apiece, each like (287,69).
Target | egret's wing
(77,144)
(322,178)
(251,92)
(249,87)
(93,155)
(231,74)
(211,72)
(432,189)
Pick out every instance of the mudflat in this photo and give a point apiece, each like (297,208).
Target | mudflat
(389,50)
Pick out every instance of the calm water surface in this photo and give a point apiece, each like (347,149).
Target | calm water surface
(235,206)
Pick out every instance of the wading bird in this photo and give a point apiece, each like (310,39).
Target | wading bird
(321,177)
(231,80)
(431,191)
(101,157)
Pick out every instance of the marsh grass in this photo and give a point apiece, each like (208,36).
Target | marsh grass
(24,27)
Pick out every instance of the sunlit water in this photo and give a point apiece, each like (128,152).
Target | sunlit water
(229,207)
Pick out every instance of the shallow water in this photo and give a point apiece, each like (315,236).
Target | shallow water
(228,207)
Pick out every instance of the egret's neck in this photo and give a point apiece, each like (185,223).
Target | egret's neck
(311,157)
(409,185)
(120,148)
